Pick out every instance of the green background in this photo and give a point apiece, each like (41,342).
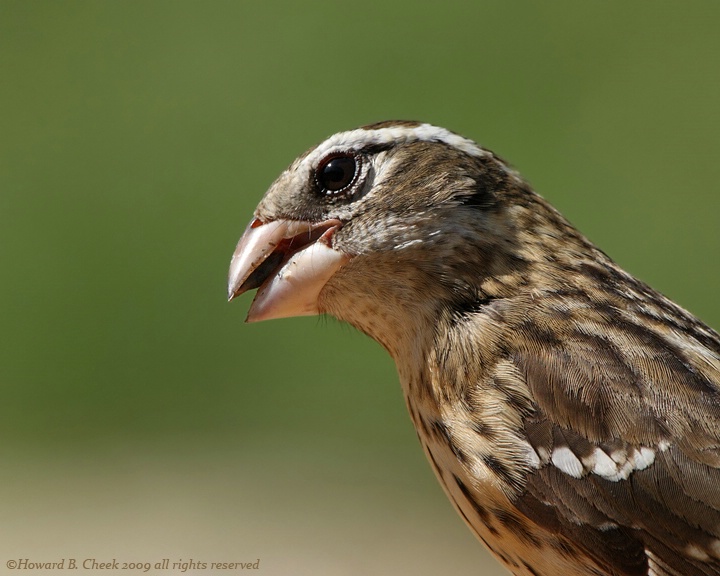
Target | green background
(140,419)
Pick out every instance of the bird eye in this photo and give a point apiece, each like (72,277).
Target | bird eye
(337,172)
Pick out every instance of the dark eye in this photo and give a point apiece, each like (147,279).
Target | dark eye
(335,173)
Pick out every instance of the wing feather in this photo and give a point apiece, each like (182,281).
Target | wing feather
(639,407)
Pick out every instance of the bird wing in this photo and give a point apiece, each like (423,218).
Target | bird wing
(626,428)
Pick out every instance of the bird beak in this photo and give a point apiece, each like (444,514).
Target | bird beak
(289,261)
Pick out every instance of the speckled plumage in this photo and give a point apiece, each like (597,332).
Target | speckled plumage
(571,413)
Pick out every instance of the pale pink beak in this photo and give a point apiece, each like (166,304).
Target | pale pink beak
(289,262)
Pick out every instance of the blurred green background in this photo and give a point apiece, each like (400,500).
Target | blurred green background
(140,418)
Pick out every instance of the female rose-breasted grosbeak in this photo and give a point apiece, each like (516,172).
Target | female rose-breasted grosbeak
(571,413)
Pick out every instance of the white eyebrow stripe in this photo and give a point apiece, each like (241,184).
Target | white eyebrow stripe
(361,138)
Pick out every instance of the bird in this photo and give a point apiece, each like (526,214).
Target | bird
(570,412)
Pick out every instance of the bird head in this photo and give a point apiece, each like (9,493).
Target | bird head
(391,222)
